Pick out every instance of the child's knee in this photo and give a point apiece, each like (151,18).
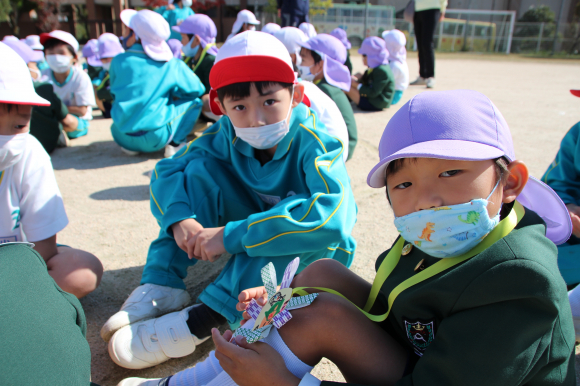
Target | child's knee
(313,273)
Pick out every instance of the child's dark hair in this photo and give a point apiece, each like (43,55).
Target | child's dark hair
(242,90)
(317,58)
(52,43)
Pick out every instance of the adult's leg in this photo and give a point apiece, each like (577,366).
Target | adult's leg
(430,19)
(75,271)
(418,26)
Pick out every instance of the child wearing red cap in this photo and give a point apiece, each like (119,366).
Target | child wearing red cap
(264,183)
(470,294)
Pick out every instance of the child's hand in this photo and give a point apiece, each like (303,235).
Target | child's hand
(574,211)
(184,231)
(253,364)
(244,298)
(207,244)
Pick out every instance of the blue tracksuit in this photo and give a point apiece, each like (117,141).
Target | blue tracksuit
(175,17)
(154,102)
(298,204)
(564,177)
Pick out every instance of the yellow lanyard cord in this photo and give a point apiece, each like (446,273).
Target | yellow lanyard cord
(103,82)
(392,259)
(207,47)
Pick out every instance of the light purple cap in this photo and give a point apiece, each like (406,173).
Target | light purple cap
(375,50)
(90,52)
(24,51)
(340,34)
(109,47)
(463,125)
(175,46)
(333,53)
(202,26)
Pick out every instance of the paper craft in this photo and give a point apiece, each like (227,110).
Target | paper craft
(275,311)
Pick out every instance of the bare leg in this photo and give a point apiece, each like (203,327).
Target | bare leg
(353,94)
(334,328)
(70,123)
(75,271)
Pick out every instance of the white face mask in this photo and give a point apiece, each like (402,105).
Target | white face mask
(306,74)
(59,63)
(187,3)
(11,149)
(106,66)
(267,136)
(252,28)
(38,74)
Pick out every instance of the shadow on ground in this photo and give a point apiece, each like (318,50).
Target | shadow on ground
(115,287)
(127,193)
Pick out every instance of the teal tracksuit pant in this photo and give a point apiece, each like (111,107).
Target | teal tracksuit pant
(298,204)
(154,102)
(564,177)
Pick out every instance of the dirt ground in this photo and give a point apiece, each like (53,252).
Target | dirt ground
(107,199)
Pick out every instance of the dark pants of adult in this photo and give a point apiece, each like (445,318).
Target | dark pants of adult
(425,23)
(291,20)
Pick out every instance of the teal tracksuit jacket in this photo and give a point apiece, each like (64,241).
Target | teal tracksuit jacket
(564,177)
(154,102)
(175,17)
(298,204)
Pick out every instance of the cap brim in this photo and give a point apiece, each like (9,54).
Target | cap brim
(176,28)
(575,92)
(126,16)
(94,61)
(257,22)
(305,45)
(22,98)
(540,198)
(442,149)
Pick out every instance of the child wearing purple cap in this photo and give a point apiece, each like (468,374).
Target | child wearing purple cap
(470,294)
(109,46)
(340,34)
(373,90)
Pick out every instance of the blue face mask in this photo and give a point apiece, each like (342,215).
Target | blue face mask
(448,231)
(188,51)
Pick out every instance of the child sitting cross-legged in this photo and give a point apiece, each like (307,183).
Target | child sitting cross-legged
(469,294)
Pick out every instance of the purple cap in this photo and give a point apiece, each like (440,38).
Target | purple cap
(90,52)
(463,125)
(375,50)
(24,51)
(202,26)
(340,34)
(333,53)
(109,46)
(175,46)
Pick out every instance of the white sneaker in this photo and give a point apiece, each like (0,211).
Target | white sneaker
(139,382)
(63,140)
(130,152)
(149,343)
(171,150)
(145,302)
(418,82)
(430,83)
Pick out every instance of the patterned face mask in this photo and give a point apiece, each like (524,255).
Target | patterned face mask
(448,231)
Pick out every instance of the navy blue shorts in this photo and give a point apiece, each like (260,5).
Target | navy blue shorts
(365,105)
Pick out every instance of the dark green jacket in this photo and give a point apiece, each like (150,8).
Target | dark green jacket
(348,63)
(93,71)
(378,86)
(43,328)
(499,318)
(45,123)
(203,70)
(104,90)
(339,97)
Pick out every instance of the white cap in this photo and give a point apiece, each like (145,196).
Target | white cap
(244,17)
(8,38)
(271,28)
(291,37)
(15,81)
(62,36)
(152,29)
(308,29)
(33,41)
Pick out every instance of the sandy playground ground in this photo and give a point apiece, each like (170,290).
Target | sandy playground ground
(107,198)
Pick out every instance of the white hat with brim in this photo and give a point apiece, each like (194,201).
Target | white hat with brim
(33,41)
(153,31)
(244,17)
(15,81)
(63,36)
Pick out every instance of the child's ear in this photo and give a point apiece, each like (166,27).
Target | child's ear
(298,94)
(516,181)
(220,105)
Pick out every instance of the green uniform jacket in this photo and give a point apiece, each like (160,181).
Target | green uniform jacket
(104,90)
(564,174)
(203,70)
(339,97)
(348,63)
(93,71)
(499,318)
(43,328)
(378,86)
(45,123)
